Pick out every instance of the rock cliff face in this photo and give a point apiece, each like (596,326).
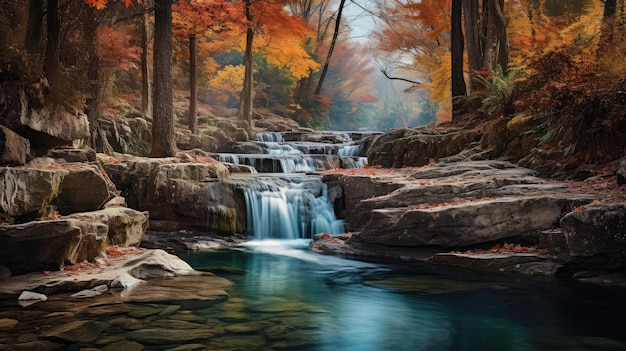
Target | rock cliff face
(54,213)
(180,192)
(414,147)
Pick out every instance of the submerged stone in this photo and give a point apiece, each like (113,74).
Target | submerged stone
(77,331)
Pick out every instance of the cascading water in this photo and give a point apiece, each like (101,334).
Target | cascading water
(289,209)
(288,204)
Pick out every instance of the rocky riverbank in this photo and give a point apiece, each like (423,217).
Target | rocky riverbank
(468,211)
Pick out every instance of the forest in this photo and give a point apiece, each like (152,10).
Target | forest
(554,69)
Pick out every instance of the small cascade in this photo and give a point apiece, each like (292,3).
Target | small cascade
(271,137)
(290,208)
(266,163)
(284,200)
(349,150)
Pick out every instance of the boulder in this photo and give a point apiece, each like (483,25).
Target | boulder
(125,226)
(72,196)
(80,331)
(596,236)
(48,245)
(347,191)
(46,186)
(467,223)
(414,147)
(172,190)
(440,183)
(28,190)
(51,124)
(14,150)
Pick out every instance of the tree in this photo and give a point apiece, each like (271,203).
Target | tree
(245,108)
(270,30)
(163,143)
(146,86)
(458,81)
(610,6)
(52,65)
(486,35)
(333,42)
(192,19)
(32,40)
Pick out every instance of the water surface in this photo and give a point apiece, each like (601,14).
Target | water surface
(287,298)
(353,305)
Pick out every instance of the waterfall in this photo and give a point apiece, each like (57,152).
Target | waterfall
(289,209)
(284,200)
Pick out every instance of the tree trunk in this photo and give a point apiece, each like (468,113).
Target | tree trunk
(320,83)
(32,41)
(52,65)
(93,72)
(610,8)
(193,82)
(163,143)
(473,38)
(496,42)
(245,110)
(146,87)
(458,81)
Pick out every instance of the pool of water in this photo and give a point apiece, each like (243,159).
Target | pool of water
(287,298)
(341,304)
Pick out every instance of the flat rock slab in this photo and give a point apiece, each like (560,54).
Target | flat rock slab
(527,263)
(168,278)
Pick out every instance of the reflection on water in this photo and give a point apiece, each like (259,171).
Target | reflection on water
(367,306)
(287,298)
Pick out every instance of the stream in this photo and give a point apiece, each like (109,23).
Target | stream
(285,297)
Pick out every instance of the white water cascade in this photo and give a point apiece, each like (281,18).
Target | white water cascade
(289,209)
(284,200)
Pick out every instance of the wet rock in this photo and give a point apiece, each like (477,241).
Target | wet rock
(527,263)
(596,236)
(169,310)
(140,311)
(186,291)
(126,323)
(7,324)
(606,279)
(244,328)
(188,347)
(158,336)
(233,316)
(39,345)
(14,150)
(175,324)
(87,293)
(77,331)
(125,345)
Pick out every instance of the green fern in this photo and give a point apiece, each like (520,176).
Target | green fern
(500,87)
